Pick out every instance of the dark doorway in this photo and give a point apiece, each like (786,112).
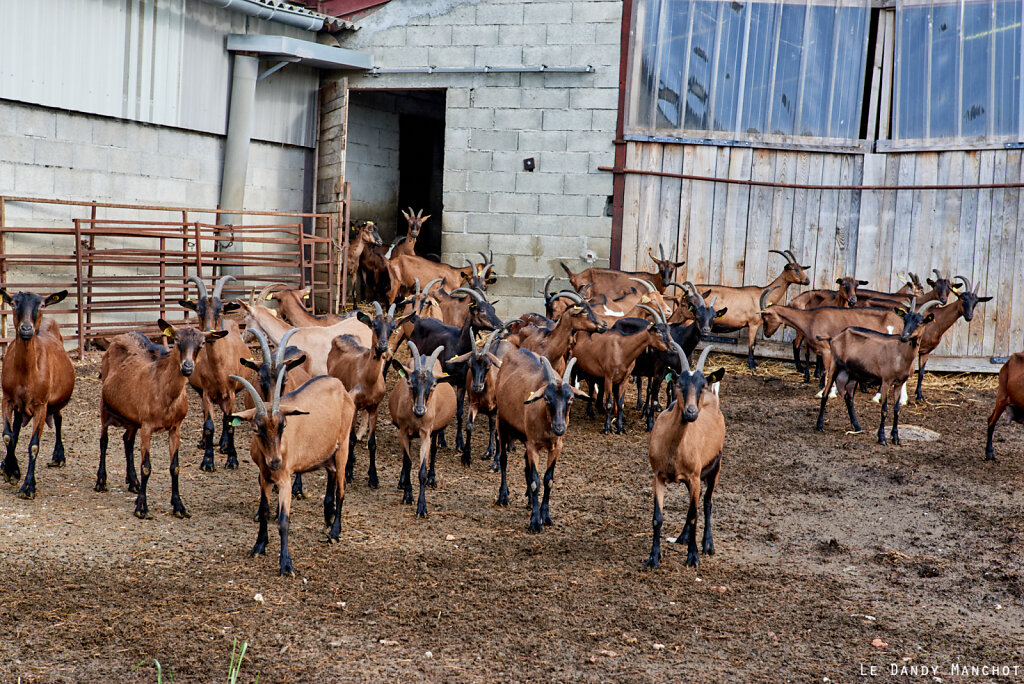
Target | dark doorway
(421,165)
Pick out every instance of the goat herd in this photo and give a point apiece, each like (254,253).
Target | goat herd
(319,381)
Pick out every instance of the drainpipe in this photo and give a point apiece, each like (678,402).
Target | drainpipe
(236,147)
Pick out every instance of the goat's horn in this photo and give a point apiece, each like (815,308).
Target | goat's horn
(928,305)
(646,283)
(417,281)
(415,355)
(699,297)
(377,309)
(219,287)
(784,255)
(938,274)
(711,304)
(473,293)
(257,400)
(490,340)
(431,284)
(262,297)
(487,269)
(570,295)
(252,296)
(548,370)
(658,318)
(702,358)
(966,282)
(673,283)
(913,303)
(547,287)
(433,357)
(391,309)
(199,285)
(684,364)
(586,287)
(661,251)
(279,357)
(789,253)
(264,345)
(650,253)
(484,257)
(764,295)
(275,403)
(567,375)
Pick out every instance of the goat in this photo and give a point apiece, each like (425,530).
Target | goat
(302,431)
(613,282)
(533,408)
(373,272)
(420,408)
(742,302)
(481,388)
(941,287)
(554,343)
(211,379)
(364,236)
(462,303)
(37,381)
(408,245)
(686,446)
(293,361)
(361,370)
(1009,395)
(609,357)
(859,354)
(143,391)
(404,270)
(314,340)
(945,317)
(291,308)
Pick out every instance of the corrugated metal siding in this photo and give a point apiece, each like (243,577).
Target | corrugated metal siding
(156,61)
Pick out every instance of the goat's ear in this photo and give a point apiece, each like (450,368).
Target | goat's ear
(491,279)
(693,309)
(249,363)
(233,305)
(6,297)
(215,335)
(461,358)
(55,297)
(716,376)
(930,281)
(364,318)
(165,328)
(397,365)
(984,299)
(721,312)
(534,396)
(241,417)
(295,361)
(580,393)
(188,304)
(494,360)
(287,410)
(901,312)
(424,219)
(405,319)
(929,318)
(862,282)
(839,281)
(466,276)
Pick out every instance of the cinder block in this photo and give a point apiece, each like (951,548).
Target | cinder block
(172,191)
(511,160)
(130,161)
(6,177)
(593,12)
(599,159)
(516,288)
(465,201)
(34,181)
(590,226)
(589,141)
(472,117)
(453,222)
(37,122)
(70,127)
(511,202)
(169,141)
(564,162)
(521,35)
(481,181)
(457,97)
(474,35)
(601,57)
(429,36)
(608,34)
(452,56)
(539,224)
(603,120)
(535,141)
(494,140)
(504,245)
(570,34)
(407,56)
(109,132)
(498,98)
(392,37)
(517,119)
(567,120)
(548,13)
(91,158)
(510,307)
(102,185)
(490,223)
(72,184)
(469,160)
(455,138)
(596,205)
(576,80)
(18,149)
(601,247)
(594,98)
(538,182)
(499,13)
(500,56)
(563,205)
(588,184)
(552,55)
(456,180)
(8,118)
(463,243)
(544,98)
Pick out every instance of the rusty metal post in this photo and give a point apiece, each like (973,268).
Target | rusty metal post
(332,295)
(89,269)
(343,255)
(199,251)
(302,259)
(78,286)
(3,260)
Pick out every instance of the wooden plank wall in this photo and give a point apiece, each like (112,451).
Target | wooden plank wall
(724,230)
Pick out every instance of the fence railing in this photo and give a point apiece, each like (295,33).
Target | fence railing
(124,273)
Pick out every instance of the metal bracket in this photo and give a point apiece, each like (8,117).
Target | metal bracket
(284,61)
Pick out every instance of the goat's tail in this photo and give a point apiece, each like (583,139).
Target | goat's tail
(566,269)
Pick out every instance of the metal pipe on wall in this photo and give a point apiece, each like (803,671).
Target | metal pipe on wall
(245,72)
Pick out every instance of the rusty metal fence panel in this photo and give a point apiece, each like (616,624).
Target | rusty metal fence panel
(124,273)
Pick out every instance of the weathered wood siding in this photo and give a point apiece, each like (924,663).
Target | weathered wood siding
(724,230)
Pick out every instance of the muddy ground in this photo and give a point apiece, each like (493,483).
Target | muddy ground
(825,542)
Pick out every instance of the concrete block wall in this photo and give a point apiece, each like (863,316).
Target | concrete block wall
(372,159)
(566,122)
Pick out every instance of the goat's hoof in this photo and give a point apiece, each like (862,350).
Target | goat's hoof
(895,440)
(27,494)
(299,495)
(421,511)
(133,487)
(432,482)
(143,514)
(495,468)
(372,482)
(547,521)
(692,559)
(536,526)
(232,464)
(13,478)
(882,441)
(207,467)
(333,538)
(407,499)
(56,463)
(708,549)
(990,457)
(651,563)
(289,571)
(259,550)
(100,486)
(467,461)
(180,511)
(502,499)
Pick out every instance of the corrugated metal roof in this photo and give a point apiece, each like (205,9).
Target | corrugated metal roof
(330,23)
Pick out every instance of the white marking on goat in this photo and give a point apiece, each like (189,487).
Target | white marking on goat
(714,388)
(609,312)
(832,394)
(903,395)
(387,255)
(877,398)
(890,329)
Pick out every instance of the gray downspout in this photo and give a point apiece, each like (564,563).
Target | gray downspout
(236,147)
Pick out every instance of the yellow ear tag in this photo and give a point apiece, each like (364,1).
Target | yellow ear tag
(168,332)
(269,297)
(272,313)
(645,299)
(532,395)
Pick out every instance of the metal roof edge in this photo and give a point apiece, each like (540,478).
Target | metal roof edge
(304,51)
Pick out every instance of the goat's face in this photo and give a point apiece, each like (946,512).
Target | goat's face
(421,384)
(667,268)
(27,310)
(557,396)
(383,327)
(189,342)
(210,310)
(704,317)
(415,222)
(482,314)
(657,336)
(479,366)
(942,288)
(583,318)
(913,323)
(268,431)
(690,388)
(969,300)
(794,273)
(848,289)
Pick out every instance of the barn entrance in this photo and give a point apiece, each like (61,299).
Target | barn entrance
(395,160)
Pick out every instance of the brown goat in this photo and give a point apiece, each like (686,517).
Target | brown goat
(408,244)
(613,282)
(686,446)
(420,408)
(143,392)
(554,343)
(37,381)
(363,237)
(301,431)
(405,270)
(1009,395)
(290,306)
(533,408)
(212,376)
(482,366)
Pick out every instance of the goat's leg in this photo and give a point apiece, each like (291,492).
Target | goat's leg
(284,504)
(656,522)
(426,442)
(922,361)
(297,491)
(797,341)
(1002,401)
(207,464)
(885,409)
(101,469)
(832,373)
(405,478)
(640,403)
(460,400)
(590,399)
(131,479)
(854,423)
(431,474)
(620,407)
(174,441)
(502,467)
(692,557)
(607,401)
(467,445)
(751,343)
(492,452)
(263,516)
(441,439)
(340,456)
(227,434)
(371,446)
(12,429)
(329,498)
(57,460)
(533,485)
(350,464)
(28,487)
(549,477)
(707,544)
(894,435)
(141,505)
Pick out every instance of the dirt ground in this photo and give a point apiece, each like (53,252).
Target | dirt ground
(825,542)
